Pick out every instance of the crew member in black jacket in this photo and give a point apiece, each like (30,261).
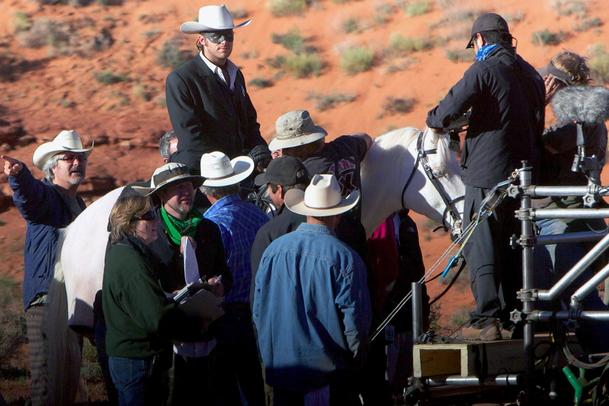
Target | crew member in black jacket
(208,104)
(506,97)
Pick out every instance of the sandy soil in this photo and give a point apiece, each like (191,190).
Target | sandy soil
(48,91)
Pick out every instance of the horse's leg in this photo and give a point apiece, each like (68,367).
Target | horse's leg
(64,345)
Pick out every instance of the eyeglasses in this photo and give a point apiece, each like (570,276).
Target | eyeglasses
(71,157)
(150,215)
(218,37)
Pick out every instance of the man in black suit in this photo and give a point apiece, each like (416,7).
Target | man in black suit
(208,104)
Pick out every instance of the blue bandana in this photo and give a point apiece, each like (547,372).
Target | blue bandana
(484,51)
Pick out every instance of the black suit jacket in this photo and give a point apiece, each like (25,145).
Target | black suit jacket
(207,116)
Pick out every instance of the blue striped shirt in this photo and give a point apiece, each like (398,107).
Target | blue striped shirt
(239,222)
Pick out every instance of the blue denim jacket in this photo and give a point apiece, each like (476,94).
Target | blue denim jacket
(45,212)
(238,222)
(311,308)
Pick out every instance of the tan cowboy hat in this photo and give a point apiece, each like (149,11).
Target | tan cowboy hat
(167,174)
(295,128)
(65,141)
(219,171)
(321,198)
(212,18)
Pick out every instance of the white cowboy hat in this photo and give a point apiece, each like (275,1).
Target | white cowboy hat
(295,128)
(167,174)
(219,171)
(212,18)
(321,198)
(65,141)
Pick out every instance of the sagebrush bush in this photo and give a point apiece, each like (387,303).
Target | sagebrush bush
(304,65)
(418,8)
(171,55)
(280,8)
(395,105)
(460,55)
(599,63)
(21,22)
(329,101)
(260,83)
(292,40)
(350,25)
(570,7)
(588,24)
(547,37)
(356,59)
(107,77)
(400,45)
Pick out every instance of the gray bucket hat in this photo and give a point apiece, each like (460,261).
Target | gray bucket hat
(295,128)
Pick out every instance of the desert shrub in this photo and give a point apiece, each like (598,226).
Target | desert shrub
(350,25)
(356,59)
(12,322)
(588,23)
(142,92)
(599,63)
(261,83)
(382,13)
(329,101)
(21,22)
(276,62)
(239,13)
(107,77)
(292,40)
(514,18)
(171,55)
(547,37)
(401,45)
(44,32)
(418,8)
(397,105)
(459,317)
(460,55)
(110,2)
(304,65)
(569,7)
(280,8)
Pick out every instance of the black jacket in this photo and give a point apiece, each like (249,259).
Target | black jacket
(207,116)
(507,98)
(210,257)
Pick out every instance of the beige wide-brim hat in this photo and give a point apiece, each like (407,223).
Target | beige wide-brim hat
(219,171)
(167,174)
(212,18)
(295,128)
(321,198)
(65,141)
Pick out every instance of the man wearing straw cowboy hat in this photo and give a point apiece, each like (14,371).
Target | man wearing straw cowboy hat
(46,205)
(208,104)
(311,304)
(239,222)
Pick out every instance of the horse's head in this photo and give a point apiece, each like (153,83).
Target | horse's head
(394,176)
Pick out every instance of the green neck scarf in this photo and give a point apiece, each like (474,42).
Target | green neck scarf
(176,228)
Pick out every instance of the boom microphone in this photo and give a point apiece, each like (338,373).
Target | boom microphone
(581,104)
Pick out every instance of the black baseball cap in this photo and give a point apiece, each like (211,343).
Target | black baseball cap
(284,171)
(487,22)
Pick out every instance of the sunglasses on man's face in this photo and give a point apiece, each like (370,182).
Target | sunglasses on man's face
(219,37)
(150,215)
(71,157)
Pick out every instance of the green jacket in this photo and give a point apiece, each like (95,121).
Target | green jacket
(140,320)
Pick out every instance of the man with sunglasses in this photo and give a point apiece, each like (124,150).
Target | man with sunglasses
(208,104)
(506,98)
(46,205)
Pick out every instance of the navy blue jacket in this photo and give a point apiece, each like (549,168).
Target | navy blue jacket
(45,212)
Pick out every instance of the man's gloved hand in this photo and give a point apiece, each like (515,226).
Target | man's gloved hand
(261,156)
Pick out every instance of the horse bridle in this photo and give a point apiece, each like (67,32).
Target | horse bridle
(449,204)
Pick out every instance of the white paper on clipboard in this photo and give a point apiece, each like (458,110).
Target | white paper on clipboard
(191,267)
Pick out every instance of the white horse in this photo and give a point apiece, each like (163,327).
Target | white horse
(389,164)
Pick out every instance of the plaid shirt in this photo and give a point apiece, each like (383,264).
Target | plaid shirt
(239,222)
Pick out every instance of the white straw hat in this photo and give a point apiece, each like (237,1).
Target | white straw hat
(321,198)
(219,171)
(212,18)
(295,128)
(65,141)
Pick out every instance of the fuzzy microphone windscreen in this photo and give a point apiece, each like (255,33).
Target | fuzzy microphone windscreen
(583,104)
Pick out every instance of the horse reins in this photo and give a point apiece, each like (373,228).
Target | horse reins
(422,157)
